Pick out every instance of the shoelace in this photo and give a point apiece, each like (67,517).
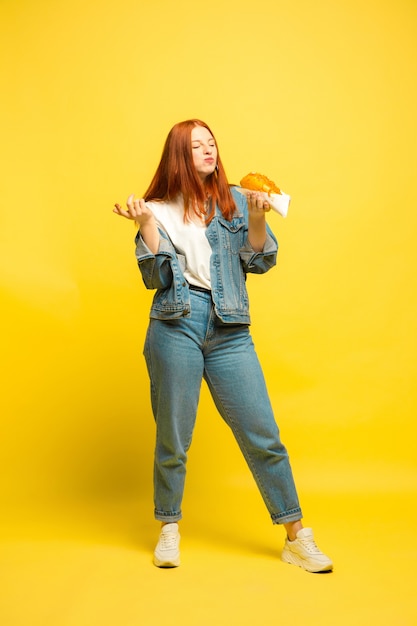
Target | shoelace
(168,541)
(310,545)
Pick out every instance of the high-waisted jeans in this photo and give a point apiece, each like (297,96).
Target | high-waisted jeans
(179,354)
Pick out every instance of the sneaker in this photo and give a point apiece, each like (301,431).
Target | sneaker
(304,553)
(167,551)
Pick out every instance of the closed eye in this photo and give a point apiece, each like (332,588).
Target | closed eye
(199,145)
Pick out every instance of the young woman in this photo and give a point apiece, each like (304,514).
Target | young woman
(198,238)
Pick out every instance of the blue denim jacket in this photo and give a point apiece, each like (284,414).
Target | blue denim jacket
(231,259)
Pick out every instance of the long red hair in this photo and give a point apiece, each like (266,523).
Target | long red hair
(176,175)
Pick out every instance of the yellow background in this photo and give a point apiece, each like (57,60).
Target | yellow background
(320,96)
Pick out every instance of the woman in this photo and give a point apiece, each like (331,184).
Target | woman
(198,238)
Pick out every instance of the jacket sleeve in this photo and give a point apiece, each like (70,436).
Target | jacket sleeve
(156,269)
(259,262)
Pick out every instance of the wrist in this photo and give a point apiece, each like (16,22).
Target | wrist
(146,222)
(257,217)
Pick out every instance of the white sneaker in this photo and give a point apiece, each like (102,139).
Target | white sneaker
(304,553)
(167,551)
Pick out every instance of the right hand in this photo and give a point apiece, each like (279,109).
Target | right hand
(136,210)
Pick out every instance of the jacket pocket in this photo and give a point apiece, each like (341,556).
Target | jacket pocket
(232,234)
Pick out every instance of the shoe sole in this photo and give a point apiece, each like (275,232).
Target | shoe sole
(167,563)
(287,557)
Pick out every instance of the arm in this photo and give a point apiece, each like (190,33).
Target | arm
(153,251)
(257,207)
(259,253)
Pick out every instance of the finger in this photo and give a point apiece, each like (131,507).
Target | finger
(119,210)
(122,213)
(252,199)
(129,201)
(257,201)
(140,206)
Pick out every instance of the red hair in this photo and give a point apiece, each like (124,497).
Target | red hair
(176,175)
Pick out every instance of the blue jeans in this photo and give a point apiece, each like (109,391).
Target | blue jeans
(179,354)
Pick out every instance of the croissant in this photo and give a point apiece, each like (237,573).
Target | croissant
(259,182)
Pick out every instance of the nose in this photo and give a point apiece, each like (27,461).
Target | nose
(208,149)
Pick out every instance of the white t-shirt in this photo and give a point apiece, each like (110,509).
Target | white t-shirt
(188,237)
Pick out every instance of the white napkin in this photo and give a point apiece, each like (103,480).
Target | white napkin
(279,202)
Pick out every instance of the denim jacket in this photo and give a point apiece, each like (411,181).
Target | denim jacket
(231,259)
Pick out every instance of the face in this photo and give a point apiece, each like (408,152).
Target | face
(204,151)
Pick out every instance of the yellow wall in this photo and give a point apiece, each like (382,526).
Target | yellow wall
(321,96)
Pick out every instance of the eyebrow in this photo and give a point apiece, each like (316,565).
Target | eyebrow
(201,140)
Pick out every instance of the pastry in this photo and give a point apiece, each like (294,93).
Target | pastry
(259,182)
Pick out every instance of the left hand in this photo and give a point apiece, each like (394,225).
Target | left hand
(257,205)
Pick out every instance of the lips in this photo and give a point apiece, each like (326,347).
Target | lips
(209,161)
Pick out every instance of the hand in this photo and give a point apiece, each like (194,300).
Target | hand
(257,205)
(136,210)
